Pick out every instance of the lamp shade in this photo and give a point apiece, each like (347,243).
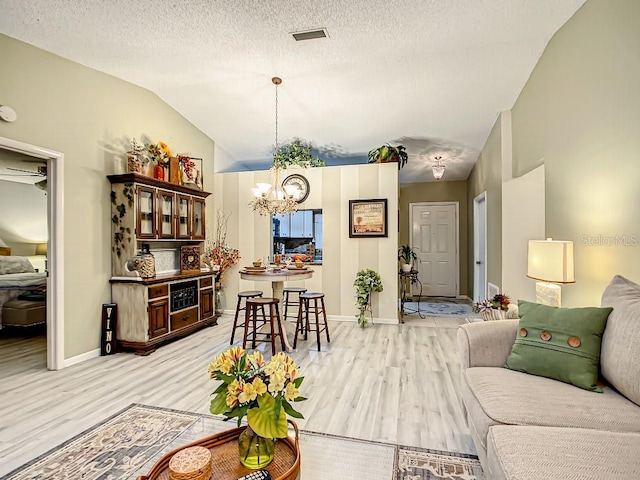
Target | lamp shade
(41,249)
(551,261)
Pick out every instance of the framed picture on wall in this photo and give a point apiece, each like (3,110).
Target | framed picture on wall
(368,218)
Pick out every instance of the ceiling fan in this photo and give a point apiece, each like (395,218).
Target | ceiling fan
(40,172)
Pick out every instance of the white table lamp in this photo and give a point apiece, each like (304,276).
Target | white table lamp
(551,263)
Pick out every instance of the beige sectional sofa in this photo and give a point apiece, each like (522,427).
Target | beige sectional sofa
(533,428)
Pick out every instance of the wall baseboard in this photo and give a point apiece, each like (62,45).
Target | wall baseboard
(82,357)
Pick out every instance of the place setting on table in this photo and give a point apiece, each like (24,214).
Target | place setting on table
(283,268)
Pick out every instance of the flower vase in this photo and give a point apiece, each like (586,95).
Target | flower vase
(256,452)
(158,172)
(220,300)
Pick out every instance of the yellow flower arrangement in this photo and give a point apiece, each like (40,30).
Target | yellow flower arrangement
(263,391)
(159,153)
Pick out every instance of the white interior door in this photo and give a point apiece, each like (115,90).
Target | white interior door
(480,247)
(434,238)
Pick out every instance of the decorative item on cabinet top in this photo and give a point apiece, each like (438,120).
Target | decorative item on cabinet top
(189,259)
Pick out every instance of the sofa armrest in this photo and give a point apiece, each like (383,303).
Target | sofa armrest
(486,344)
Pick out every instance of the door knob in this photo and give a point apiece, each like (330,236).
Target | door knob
(478,262)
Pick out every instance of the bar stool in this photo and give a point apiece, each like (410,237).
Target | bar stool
(244,296)
(287,302)
(251,316)
(302,324)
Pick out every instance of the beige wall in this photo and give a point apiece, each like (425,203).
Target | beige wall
(89,117)
(438,192)
(331,190)
(579,114)
(486,176)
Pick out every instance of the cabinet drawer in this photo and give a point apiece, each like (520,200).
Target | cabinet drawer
(184,318)
(158,291)
(206,282)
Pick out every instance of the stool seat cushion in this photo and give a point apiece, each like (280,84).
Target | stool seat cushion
(262,301)
(250,293)
(312,295)
(294,289)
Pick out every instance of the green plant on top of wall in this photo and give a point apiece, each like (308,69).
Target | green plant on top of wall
(296,153)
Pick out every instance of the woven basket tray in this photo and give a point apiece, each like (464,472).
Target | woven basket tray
(226,464)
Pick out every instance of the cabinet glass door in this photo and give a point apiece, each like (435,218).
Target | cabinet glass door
(184,216)
(166,223)
(197,226)
(146,223)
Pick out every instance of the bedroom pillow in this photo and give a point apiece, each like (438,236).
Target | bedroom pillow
(559,343)
(13,264)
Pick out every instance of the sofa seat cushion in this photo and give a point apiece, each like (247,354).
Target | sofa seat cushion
(541,453)
(500,396)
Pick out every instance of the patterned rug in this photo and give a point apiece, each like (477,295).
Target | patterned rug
(129,443)
(438,309)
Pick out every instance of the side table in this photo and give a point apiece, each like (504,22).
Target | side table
(406,280)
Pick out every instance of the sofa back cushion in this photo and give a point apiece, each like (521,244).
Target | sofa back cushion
(620,356)
(13,264)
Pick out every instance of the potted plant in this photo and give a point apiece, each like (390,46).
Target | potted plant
(367,281)
(493,309)
(296,153)
(386,153)
(406,255)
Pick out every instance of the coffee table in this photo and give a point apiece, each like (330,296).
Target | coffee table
(322,457)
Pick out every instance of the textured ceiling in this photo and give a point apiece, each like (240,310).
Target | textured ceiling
(435,73)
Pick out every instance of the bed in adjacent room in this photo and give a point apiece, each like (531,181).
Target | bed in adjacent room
(18,277)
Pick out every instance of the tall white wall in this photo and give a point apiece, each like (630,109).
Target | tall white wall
(523,219)
(331,190)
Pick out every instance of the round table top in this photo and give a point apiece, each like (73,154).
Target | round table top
(281,276)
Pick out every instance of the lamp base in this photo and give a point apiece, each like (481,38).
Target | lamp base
(548,294)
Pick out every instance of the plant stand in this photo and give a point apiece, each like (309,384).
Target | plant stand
(369,308)
(407,279)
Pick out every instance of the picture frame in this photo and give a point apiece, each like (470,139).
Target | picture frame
(189,259)
(191,168)
(368,218)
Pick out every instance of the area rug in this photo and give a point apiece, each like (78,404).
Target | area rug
(129,443)
(438,309)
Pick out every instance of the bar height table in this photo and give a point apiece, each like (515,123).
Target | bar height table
(277,279)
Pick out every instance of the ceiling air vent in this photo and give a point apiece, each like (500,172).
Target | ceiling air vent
(310,34)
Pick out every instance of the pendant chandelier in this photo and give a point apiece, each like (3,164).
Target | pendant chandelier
(438,168)
(272,198)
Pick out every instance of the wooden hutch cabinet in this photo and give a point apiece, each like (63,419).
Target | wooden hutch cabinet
(154,311)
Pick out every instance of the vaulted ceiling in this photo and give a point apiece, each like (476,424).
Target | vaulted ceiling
(430,74)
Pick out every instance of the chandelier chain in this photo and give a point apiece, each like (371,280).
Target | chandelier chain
(276,118)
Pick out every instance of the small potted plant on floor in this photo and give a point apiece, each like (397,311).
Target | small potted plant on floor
(406,255)
(386,153)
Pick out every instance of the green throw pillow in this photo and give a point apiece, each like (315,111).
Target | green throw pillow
(559,343)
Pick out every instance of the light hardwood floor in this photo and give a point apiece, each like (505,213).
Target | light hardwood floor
(391,383)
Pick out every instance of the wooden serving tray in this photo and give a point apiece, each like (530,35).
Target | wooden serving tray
(226,464)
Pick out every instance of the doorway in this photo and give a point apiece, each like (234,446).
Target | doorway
(55,246)
(480,247)
(434,238)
